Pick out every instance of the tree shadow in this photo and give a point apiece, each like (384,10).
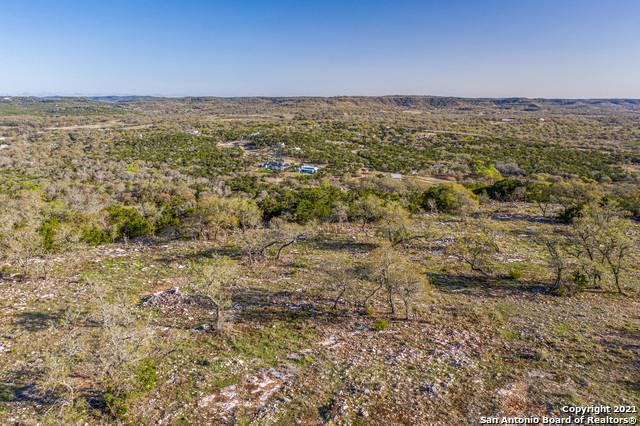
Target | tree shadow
(487,284)
(326,244)
(37,319)
(234,253)
(530,219)
(631,385)
(10,392)
(264,306)
(13,388)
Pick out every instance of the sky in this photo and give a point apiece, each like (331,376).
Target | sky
(468,48)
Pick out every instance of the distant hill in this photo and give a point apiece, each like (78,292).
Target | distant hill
(317,107)
(114,99)
(339,106)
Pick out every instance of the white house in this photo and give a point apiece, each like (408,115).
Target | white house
(307,169)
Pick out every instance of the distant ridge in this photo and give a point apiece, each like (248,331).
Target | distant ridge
(315,107)
(114,99)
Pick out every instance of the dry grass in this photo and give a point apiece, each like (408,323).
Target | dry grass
(480,346)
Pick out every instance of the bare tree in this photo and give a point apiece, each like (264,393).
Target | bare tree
(339,212)
(342,278)
(367,210)
(21,244)
(59,383)
(599,241)
(396,226)
(557,256)
(123,344)
(65,238)
(377,268)
(283,234)
(248,214)
(398,276)
(20,218)
(474,250)
(411,285)
(252,242)
(278,236)
(211,279)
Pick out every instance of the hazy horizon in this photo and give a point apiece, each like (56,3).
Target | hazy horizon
(91,96)
(492,49)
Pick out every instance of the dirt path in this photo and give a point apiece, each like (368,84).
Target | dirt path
(120,126)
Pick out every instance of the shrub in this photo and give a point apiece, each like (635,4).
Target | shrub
(129,222)
(541,354)
(570,286)
(380,325)
(488,171)
(450,198)
(515,274)
(504,190)
(569,214)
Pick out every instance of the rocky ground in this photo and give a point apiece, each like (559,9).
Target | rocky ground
(480,346)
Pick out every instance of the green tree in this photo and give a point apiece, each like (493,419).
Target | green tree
(542,196)
(450,198)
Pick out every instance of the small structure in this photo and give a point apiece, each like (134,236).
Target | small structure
(307,169)
(271,165)
(396,176)
(4,146)
(193,132)
(425,135)
(506,120)
(297,148)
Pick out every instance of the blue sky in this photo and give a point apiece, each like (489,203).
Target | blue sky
(552,49)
